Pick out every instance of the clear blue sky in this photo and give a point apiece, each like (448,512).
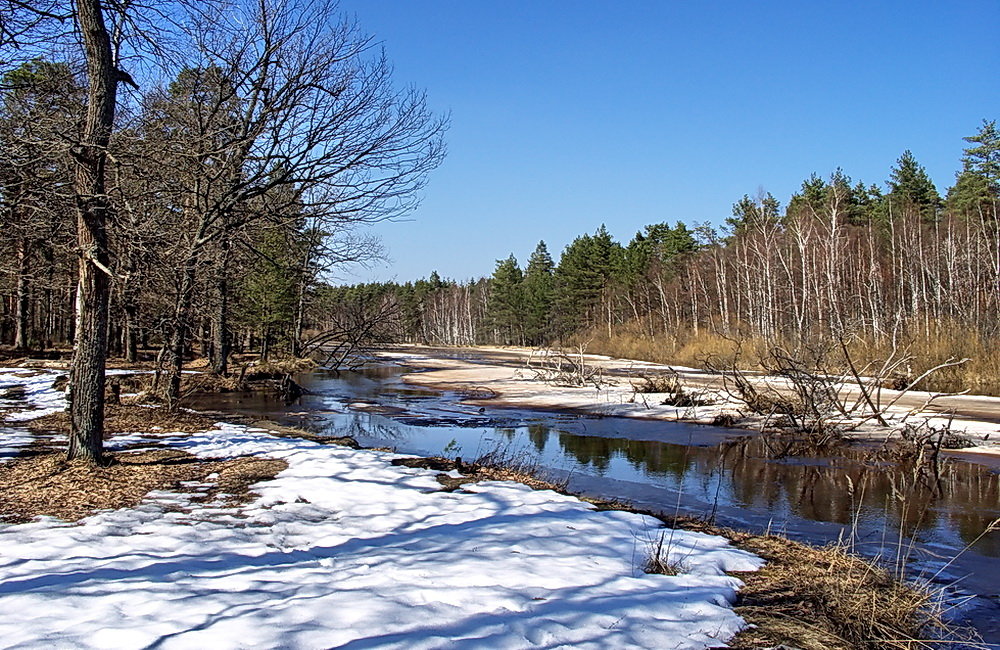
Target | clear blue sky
(569,114)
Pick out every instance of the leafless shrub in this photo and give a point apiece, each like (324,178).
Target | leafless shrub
(822,393)
(669,383)
(919,446)
(560,368)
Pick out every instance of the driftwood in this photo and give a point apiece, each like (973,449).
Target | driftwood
(560,368)
(819,400)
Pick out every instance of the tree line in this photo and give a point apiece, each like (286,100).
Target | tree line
(841,257)
(177,176)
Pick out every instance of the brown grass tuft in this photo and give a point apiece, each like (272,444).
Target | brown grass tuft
(277,368)
(819,598)
(47,484)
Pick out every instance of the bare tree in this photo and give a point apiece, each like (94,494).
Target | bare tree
(93,211)
(289,115)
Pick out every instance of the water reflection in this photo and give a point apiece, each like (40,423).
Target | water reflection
(875,501)
(676,467)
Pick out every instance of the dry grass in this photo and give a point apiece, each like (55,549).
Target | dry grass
(130,419)
(943,341)
(277,368)
(818,598)
(824,598)
(46,483)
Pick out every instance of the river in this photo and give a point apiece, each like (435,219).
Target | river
(853,497)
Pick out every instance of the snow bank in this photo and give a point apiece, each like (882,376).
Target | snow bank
(344,549)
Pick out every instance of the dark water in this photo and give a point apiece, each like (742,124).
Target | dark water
(676,468)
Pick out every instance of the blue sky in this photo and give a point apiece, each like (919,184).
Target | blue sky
(566,115)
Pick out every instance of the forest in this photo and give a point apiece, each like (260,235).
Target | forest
(204,215)
(176,177)
(903,268)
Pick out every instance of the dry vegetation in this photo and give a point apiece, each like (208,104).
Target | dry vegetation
(821,598)
(981,375)
(45,483)
(130,419)
(827,599)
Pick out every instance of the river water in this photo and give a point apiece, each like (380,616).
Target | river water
(928,525)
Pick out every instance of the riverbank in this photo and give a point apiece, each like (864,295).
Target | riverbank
(343,548)
(512,377)
(231,474)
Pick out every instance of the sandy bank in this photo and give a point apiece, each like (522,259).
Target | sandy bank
(508,377)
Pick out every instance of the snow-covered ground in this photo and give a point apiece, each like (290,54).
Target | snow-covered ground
(345,550)
(33,398)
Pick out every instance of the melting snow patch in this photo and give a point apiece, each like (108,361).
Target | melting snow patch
(343,549)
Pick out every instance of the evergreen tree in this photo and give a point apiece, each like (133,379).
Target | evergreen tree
(539,289)
(584,269)
(269,289)
(506,302)
(984,158)
(911,189)
(856,203)
(977,186)
(750,214)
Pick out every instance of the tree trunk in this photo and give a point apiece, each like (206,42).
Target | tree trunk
(21,303)
(93,207)
(222,343)
(131,309)
(178,335)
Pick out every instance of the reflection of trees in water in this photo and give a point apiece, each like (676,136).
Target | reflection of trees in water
(538,434)
(838,489)
(645,456)
(365,425)
(911,498)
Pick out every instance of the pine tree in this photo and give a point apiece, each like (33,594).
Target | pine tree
(539,289)
(911,189)
(977,186)
(749,214)
(584,269)
(506,303)
(984,159)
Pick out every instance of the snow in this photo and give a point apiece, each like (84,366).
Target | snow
(343,549)
(39,397)
(618,398)
(35,398)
